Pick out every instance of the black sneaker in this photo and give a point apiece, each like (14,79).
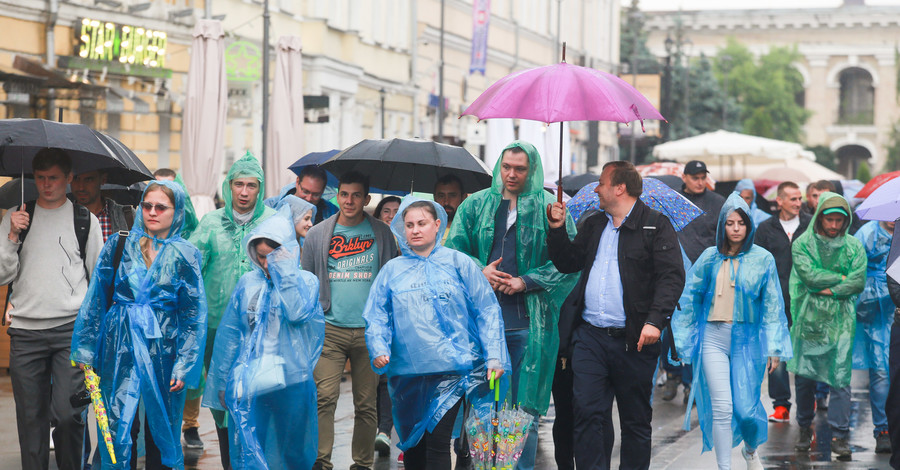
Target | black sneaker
(687,394)
(882,443)
(670,389)
(841,447)
(805,440)
(192,439)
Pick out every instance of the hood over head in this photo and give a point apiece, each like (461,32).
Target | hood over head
(299,207)
(733,203)
(829,200)
(535,179)
(177,218)
(245,167)
(399,227)
(746,183)
(278,228)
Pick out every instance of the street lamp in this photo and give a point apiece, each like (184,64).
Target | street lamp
(667,88)
(382,92)
(635,17)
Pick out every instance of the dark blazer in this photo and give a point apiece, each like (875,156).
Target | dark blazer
(770,235)
(650,266)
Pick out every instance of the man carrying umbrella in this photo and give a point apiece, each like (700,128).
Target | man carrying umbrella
(503,229)
(310,186)
(219,237)
(48,273)
(112,216)
(631,278)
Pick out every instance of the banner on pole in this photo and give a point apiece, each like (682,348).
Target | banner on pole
(481,18)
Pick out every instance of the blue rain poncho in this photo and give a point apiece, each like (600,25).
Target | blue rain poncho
(266,349)
(757,215)
(874,308)
(759,330)
(298,208)
(153,333)
(438,320)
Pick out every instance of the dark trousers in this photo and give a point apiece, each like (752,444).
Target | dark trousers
(604,369)
(892,407)
(153,459)
(37,358)
(385,419)
(780,386)
(433,450)
(564,424)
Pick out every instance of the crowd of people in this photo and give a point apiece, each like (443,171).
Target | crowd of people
(259,310)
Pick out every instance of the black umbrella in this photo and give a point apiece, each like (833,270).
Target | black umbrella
(125,195)
(572,183)
(410,164)
(134,170)
(12,193)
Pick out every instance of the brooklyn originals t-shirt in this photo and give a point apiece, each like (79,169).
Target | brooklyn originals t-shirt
(352,266)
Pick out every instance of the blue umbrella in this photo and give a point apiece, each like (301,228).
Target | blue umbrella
(656,194)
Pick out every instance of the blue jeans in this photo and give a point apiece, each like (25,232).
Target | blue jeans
(516,341)
(838,406)
(878,392)
(717,371)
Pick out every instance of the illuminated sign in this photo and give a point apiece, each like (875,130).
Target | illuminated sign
(243,62)
(109,42)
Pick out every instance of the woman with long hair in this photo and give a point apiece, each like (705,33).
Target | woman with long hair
(142,328)
(433,326)
(732,328)
(386,209)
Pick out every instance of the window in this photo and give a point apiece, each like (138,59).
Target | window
(857,98)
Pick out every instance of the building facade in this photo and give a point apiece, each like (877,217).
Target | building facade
(848,63)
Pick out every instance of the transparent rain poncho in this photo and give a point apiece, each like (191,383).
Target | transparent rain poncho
(759,330)
(438,320)
(153,333)
(757,215)
(473,234)
(874,308)
(824,325)
(190,215)
(266,349)
(298,208)
(224,259)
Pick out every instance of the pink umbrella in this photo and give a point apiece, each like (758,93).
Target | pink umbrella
(563,92)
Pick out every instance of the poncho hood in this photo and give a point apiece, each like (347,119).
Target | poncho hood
(278,228)
(178,217)
(399,228)
(733,203)
(534,181)
(245,167)
(828,200)
(190,215)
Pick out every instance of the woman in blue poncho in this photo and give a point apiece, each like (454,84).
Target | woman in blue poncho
(266,348)
(433,325)
(302,215)
(747,190)
(731,324)
(146,345)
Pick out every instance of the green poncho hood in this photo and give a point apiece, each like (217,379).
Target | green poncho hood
(824,325)
(245,167)
(472,233)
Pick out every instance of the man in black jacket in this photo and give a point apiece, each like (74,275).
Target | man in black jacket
(631,280)
(892,407)
(776,234)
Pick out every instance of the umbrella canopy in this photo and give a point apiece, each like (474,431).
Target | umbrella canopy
(203,125)
(730,144)
(656,194)
(876,183)
(12,193)
(23,138)
(409,164)
(134,170)
(125,195)
(572,183)
(670,169)
(285,129)
(671,181)
(882,204)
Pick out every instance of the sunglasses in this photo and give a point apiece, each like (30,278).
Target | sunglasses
(148,206)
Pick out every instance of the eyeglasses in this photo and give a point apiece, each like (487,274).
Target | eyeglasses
(148,206)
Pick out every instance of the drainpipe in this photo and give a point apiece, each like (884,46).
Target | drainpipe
(512,17)
(52,16)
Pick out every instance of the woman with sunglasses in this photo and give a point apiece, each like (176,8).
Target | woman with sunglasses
(142,328)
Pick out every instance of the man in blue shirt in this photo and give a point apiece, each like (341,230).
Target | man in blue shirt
(631,278)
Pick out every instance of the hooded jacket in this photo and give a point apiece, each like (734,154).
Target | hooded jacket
(273,322)
(438,320)
(824,325)
(473,234)
(700,234)
(190,214)
(153,332)
(874,308)
(324,208)
(756,214)
(298,209)
(759,329)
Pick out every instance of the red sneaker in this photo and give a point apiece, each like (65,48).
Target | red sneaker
(400,459)
(781,415)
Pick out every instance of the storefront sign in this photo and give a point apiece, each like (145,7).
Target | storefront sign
(243,62)
(126,44)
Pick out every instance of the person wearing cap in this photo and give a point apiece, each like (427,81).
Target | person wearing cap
(828,273)
(697,236)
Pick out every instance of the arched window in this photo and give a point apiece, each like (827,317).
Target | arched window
(857,105)
(849,157)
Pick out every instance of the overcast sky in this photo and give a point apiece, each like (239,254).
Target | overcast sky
(650,5)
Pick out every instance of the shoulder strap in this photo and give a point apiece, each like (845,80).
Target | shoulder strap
(82,220)
(117,259)
(128,211)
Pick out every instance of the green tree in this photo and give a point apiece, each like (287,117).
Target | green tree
(863,173)
(892,161)
(633,30)
(824,156)
(704,97)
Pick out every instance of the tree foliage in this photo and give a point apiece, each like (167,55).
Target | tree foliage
(863,173)
(633,30)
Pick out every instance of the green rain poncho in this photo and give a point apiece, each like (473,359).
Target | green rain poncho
(824,325)
(224,259)
(190,215)
(472,232)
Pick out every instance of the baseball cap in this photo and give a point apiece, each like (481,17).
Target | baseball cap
(694,167)
(835,210)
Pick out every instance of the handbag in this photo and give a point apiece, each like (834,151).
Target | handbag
(267,376)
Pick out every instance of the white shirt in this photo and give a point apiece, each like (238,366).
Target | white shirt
(790,226)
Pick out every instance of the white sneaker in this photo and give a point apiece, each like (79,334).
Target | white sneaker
(753,462)
(52,445)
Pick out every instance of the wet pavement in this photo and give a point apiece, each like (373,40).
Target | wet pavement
(673,448)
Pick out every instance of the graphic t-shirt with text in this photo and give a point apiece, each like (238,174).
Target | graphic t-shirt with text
(352,266)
